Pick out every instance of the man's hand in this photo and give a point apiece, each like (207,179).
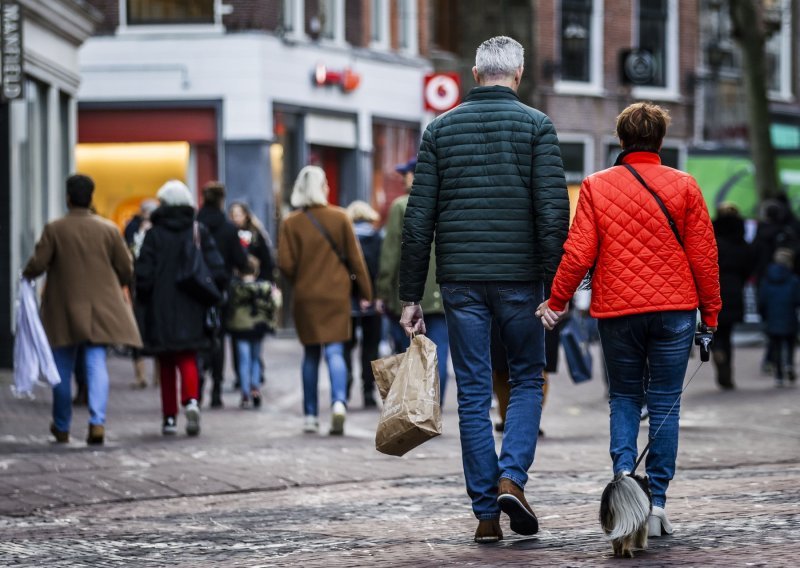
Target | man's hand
(550,318)
(412,321)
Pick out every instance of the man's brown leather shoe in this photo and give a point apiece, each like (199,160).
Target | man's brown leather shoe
(96,435)
(488,531)
(512,502)
(61,437)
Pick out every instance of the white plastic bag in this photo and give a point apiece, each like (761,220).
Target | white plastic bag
(33,358)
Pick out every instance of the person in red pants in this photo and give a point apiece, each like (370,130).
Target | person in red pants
(171,319)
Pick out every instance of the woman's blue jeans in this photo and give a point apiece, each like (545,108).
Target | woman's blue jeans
(249,364)
(96,382)
(337,369)
(660,341)
(470,308)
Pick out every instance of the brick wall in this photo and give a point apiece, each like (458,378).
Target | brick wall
(253,14)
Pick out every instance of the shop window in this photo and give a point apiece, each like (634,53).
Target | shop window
(159,12)
(394,143)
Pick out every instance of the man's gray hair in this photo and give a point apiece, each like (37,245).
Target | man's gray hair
(499,57)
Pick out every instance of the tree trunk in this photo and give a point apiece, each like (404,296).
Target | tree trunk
(748,29)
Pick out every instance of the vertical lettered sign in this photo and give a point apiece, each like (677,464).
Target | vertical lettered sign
(11,54)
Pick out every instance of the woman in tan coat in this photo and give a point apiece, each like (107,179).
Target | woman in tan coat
(319,254)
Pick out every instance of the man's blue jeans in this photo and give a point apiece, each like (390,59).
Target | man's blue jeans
(97,384)
(337,369)
(660,341)
(248,353)
(470,307)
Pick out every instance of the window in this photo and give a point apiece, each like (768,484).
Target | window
(653,17)
(407,26)
(156,12)
(577,155)
(657,32)
(327,12)
(379,24)
(576,47)
(778,50)
(580,66)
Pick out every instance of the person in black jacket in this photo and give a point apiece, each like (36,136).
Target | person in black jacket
(170,320)
(736,264)
(226,235)
(489,186)
(367,316)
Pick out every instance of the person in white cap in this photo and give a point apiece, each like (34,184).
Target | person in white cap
(171,320)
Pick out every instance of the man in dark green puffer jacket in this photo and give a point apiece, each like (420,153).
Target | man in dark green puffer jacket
(490,186)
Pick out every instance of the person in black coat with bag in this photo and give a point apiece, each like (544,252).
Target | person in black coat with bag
(171,320)
(226,235)
(737,263)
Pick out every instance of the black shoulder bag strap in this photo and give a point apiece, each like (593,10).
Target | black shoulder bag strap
(663,207)
(331,242)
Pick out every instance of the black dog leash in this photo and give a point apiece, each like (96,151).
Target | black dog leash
(704,339)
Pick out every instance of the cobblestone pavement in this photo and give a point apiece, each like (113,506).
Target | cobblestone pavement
(253,491)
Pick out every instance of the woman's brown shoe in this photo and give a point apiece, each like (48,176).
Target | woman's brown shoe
(488,531)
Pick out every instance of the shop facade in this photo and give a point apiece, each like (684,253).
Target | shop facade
(40,42)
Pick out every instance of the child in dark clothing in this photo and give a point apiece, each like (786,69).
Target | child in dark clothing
(778,299)
(252,310)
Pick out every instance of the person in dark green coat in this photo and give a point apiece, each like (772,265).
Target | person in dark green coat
(489,187)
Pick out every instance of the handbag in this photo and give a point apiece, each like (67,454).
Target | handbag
(586,283)
(575,341)
(193,275)
(339,254)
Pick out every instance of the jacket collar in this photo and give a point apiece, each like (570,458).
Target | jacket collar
(638,157)
(491,92)
(79,212)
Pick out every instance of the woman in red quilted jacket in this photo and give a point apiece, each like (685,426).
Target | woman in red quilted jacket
(650,278)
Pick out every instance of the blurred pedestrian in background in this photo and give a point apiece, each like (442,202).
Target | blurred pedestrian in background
(172,321)
(226,237)
(489,187)
(134,233)
(319,254)
(367,318)
(250,316)
(778,300)
(655,263)
(87,263)
(388,283)
(255,240)
(736,265)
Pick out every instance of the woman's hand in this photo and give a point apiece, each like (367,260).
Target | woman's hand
(550,318)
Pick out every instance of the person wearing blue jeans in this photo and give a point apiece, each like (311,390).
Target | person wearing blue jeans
(337,369)
(96,384)
(248,353)
(79,248)
(663,340)
(469,308)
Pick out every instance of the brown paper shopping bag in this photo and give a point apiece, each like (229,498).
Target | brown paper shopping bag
(411,412)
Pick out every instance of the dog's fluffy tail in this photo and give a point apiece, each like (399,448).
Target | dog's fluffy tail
(627,504)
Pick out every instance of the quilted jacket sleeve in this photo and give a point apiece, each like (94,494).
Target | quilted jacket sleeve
(420,221)
(701,250)
(550,198)
(580,251)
